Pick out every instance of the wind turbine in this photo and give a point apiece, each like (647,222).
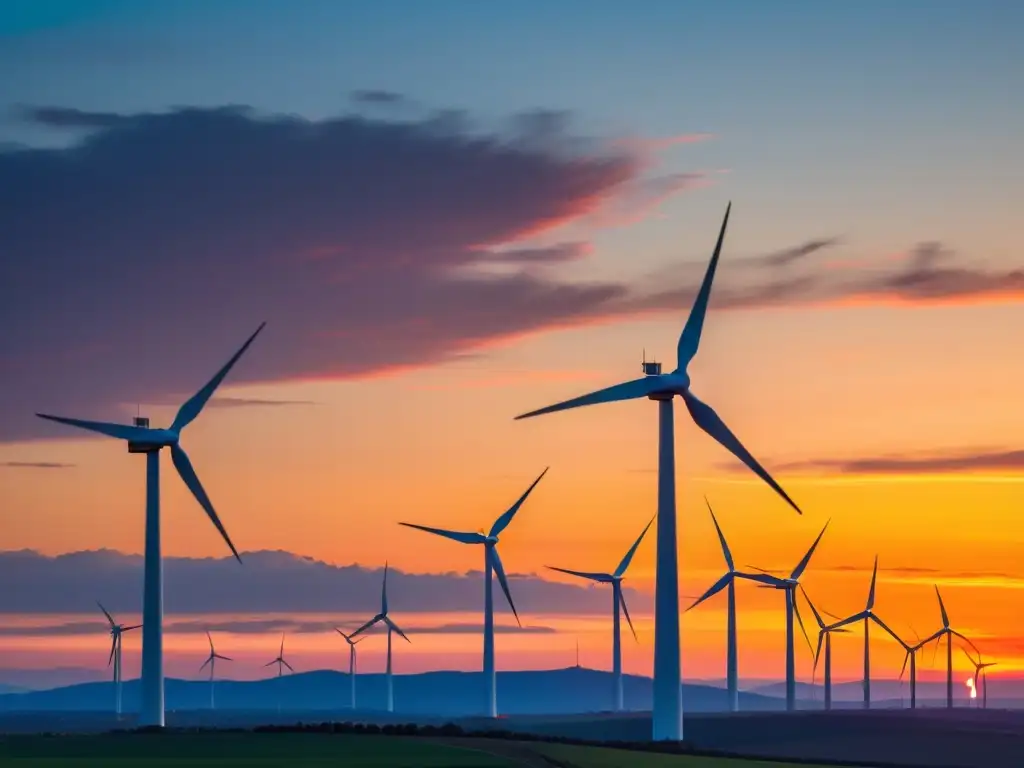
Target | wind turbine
(790,585)
(867,616)
(668,706)
(492,562)
(116,631)
(383,617)
(212,661)
(281,664)
(980,673)
(142,439)
(824,634)
(615,579)
(351,662)
(729,580)
(949,633)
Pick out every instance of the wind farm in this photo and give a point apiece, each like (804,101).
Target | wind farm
(474,321)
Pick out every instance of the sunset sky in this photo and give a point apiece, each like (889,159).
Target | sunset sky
(451,213)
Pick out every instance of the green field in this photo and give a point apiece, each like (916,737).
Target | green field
(300,750)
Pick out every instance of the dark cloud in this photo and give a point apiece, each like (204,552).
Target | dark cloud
(138,258)
(1004,460)
(371,96)
(269,582)
(262,626)
(35,465)
(795,254)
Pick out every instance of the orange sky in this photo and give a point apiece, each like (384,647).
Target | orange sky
(439,447)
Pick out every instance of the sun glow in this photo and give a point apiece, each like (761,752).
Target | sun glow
(970,685)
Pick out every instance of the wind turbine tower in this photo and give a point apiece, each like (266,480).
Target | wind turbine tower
(492,564)
(116,631)
(383,617)
(142,439)
(212,661)
(667,715)
(351,663)
(949,633)
(618,599)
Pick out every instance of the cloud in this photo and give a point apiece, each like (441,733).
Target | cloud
(797,253)
(137,259)
(552,254)
(933,463)
(260,626)
(270,582)
(36,465)
(372,96)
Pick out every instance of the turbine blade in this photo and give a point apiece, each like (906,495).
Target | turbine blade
(384,592)
(397,629)
(705,417)
(629,390)
(502,522)
(817,653)
(802,565)
(817,616)
(831,615)
(499,570)
(689,339)
(347,638)
(120,431)
(203,665)
(270,663)
(942,607)
(862,616)
(210,639)
(888,630)
(195,404)
(721,537)
(966,640)
(763,579)
(935,651)
(603,578)
(460,536)
(624,564)
(290,668)
(189,477)
(107,614)
(129,629)
(800,621)
(713,590)
(970,658)
(625,610)
(113,647)
(871,593)
(368,624)
(226,658)
(903,669)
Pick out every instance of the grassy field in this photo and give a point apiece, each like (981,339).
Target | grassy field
(298,750)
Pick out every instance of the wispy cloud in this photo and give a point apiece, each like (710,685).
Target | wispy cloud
(35,465)
(946,462)
(376,96)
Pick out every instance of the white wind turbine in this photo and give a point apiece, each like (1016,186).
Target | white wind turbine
(212,661)
(116,631)
(492,563)
(729,580)
(789,585)
(618,599)
(281,664)
(351,662)
(668,707)
(381,617)
(142,439)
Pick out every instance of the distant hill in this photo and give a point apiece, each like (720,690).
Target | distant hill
(448,694)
